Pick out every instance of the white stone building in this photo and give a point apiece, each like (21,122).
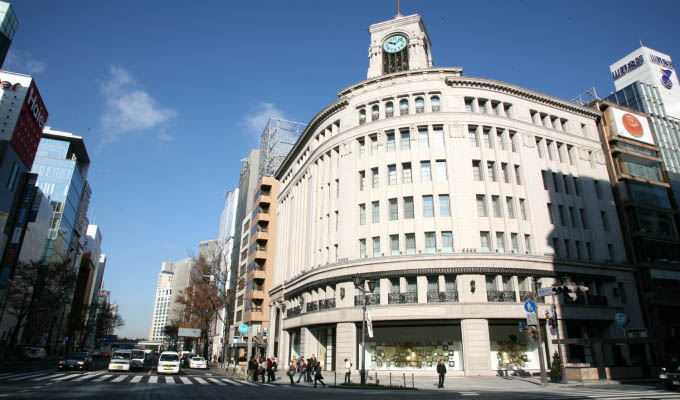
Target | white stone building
(458,196)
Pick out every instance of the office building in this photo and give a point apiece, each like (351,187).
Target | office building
(172,280)
(8,27)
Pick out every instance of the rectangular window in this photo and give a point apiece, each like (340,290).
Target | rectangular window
(337,221)
(11,181)
(428,206)
(505,173)
(468,104)
(567,250)
(481,205)
(598,190)
(394,210)
(565,182)
(438,136)
(500,143)
(556,247)
(362,214)
(527,244)
(376,246)
(441,170)
(472,135)
(486,138)
(610,251)
(485,240)
(392,174)
(589,253)
(423,139)
(584,220)
(563,220)
(410,243)
(394,245)
(406,173)
(577,244)
(518,175)
(560,151)
(514,242)
(577,187)
(477,170)
(444,207)
(572,216)
(491,171)
(391,147)
(539,147)
(500,242)
(376,177)
(605,223)
(447,242)
(555,185)
(408,207)
(376,211)
(481,104)
(545,180)
(496,206)
(374,144)
(430,243)
(495,108)
(362,147)
(510,206)
(513,141)
(523,208)
(550,214)
(425,171)
(570,153)
(405,140)
(362,248)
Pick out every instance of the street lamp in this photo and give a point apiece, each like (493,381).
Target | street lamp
(359,284)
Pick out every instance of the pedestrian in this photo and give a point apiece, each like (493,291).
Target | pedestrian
(310,368)
(291,372)
(317,374)
(263,369)
(275,366)
(441,370)
(302,369)
(269,369)
(348,371)
(252,369)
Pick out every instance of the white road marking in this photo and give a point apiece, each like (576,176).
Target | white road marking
(67,377)
(136,379)
(26,375)
(170,380)
(186,380)
(88,376)
(119,378)
(213,380)
(201,381)
(468,393)
(102,378)
(153,379)
(235,383)
(249,383)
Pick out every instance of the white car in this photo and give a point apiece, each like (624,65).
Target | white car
(168,363)
(120,360)
(198,362)
(35,353)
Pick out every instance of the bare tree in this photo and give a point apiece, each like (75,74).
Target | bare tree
(107,321)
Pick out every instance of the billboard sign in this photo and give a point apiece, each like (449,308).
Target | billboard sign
(629,125)
(189,332)
(29,126)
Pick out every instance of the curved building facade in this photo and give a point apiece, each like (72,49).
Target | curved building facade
(458,197)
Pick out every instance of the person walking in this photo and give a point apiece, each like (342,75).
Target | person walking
(252,369)
(311,364)
(302,369)
(291,371)
(318,377)
(263,369)
(348,371)
(441,370)
(275,366)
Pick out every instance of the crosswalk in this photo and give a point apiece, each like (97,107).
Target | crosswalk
(103,377)
(577,393)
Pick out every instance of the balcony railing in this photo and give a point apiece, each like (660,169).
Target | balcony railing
(435,296)
(292,312)
(524,296)
(435,108)
(389,114)
(312,306)
(327,304)
(595,300)
(370,299)
(402,298)
(420,109)
(501,296)
(362,120)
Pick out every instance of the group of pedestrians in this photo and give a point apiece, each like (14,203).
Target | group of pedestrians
(258,368)
(306,369)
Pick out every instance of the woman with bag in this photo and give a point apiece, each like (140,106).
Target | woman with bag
(317,374)
(291,372)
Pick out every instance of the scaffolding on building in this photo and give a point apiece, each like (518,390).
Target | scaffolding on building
(278,138)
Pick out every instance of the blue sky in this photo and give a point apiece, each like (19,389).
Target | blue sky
(170,95)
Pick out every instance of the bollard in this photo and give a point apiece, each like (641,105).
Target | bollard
(404,373)
(376,378)
(335,378)
(413,382)
(390,379)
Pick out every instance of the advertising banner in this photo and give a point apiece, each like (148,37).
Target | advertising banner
(189,332)
(630,125)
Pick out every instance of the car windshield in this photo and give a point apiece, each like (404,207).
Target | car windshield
(169,357)
(77,356)
(121,356)
(137,354)
(198,359)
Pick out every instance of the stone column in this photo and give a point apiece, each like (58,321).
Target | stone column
(345,345)
(476,347)
(422,289)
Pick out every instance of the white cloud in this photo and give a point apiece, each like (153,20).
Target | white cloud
(129,110)
(22,62)
(256,122)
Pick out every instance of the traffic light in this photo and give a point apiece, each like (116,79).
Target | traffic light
(570,290)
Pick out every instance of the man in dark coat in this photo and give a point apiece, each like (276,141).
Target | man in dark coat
(441,370)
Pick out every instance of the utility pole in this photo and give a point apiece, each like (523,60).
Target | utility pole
(559,345)
(541,357)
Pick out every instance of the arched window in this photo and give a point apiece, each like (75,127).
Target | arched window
(362,116)
(403,107)
(389,109)
(420,105)
(435,103)
(375,112)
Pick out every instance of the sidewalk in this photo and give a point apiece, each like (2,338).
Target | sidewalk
(457,383)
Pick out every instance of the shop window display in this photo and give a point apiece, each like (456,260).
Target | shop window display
(511,350)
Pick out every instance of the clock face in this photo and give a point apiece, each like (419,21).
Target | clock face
(394,44)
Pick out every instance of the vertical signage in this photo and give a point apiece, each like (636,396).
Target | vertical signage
(29,126)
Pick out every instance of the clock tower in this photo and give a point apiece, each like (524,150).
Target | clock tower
(400,44)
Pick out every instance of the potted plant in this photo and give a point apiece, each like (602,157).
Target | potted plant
(555,369)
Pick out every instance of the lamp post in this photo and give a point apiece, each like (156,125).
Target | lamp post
(359,284)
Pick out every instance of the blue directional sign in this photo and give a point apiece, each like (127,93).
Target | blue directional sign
(529,306)
(243,329)
(621,319)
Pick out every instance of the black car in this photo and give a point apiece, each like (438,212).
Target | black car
(80,360)
(670,377)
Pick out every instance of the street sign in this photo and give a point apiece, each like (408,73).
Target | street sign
(243,329)
(189,332)
(529,306)
(621,319)
(545,291)
(531,319)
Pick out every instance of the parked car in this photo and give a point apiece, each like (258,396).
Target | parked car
(185,357)
(198,362)
(168,363)
(670,377)
(79,360)
(138,359)
(120,360)
(35,353)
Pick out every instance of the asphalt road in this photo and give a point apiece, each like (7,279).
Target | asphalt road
(42,380)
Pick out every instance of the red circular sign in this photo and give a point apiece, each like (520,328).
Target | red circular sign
(632,125)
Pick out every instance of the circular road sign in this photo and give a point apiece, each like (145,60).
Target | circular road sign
(243,329)
(621,319)
(529,306)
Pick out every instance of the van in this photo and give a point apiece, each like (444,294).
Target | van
(168,363)
(120,360)
(138,359)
